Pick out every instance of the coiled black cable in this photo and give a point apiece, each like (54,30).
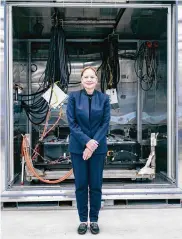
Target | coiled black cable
(146,66)
(58,70)
(110,69)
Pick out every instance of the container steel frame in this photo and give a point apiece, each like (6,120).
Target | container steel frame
(63,194)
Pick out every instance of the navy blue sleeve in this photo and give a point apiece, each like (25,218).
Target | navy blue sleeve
(74,127)
(103,129)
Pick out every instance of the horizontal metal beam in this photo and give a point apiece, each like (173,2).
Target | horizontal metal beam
(59,194)
(90,1)
(67,1)
(73,40)
(88,22)
(83,40)
(84,4)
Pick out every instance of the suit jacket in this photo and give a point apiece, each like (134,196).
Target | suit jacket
(81,128)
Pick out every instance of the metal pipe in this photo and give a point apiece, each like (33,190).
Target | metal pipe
(83,22)
(29,81)
(173,101)
(139,107)
(169,97)
(22,170)
(69,1)
(71,40)
(82,40)
(68,40)
(10,96)
(4,89)
(178,166)
(108,4)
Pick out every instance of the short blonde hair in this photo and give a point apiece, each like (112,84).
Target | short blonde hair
(88,67)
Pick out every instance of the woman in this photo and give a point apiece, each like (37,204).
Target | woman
(88,113)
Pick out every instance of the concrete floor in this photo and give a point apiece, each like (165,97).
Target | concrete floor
(121,224)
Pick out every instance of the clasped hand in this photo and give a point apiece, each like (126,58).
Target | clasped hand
(91,147)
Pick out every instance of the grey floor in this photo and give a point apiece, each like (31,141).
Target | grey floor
(121,224)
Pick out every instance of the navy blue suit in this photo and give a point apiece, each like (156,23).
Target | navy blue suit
(81,128)
(84,127)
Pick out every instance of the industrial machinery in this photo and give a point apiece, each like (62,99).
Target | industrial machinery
(48,58)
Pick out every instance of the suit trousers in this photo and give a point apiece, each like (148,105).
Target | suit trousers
(88,175)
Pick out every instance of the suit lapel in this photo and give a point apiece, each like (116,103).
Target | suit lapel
(94,102)
(93,106)
(85,105)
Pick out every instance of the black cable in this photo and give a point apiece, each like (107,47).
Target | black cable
(110,69)
(146,57)
(58,69)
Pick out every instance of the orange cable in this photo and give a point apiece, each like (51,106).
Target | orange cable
(32,169)
(25,153)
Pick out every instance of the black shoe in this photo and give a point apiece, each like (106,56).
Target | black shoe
(94,228)
(82,229)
